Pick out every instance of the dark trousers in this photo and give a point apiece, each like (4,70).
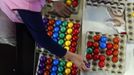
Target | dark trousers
(18,60)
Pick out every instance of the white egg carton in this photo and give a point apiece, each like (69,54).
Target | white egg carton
(117,68)
(130,21)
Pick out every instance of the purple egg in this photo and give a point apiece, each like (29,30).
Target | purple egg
(45,20)
(41,66)
(42,59)
(40,72)
(87,65)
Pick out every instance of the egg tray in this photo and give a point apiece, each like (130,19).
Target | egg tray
(42,67)
(106,2)
(129,21)
(116,68)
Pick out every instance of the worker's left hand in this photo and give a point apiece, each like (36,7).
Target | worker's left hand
(61,9)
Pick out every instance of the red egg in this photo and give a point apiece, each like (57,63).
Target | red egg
(73,44)
(49,33)
(96,44)
(97,37)
(89,44)
(76,32)
(75,3)
(96,51)
(50,28)
(109,45)
(88,56)
(74,66)
(72,49)
(95,57)
(115,46)
(75,38)
(101,64)
(102,57)
(114,59)
(49,61)
(76,26)
(109,52)
(74,72)
(48,67)
(51,22)
(46,73)
(115,52)
(116,40)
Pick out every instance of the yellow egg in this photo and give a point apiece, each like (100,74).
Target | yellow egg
(69,64)
(132,14)
(69,2)
(69,30)
(70,24)
(67,48)
(67,71)
(68,37)
(67,43)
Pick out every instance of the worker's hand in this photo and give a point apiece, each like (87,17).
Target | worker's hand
(77,60)
(61,9)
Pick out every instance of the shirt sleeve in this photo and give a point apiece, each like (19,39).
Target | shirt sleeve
(34,23)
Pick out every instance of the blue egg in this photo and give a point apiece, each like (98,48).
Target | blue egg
(58,22)
(53,73)
(54,68)
(55,35)
(55,62)
(55,39)
(56,29)
(102,45)
(103,39)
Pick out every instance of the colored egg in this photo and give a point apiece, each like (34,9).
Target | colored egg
(102,45)
(109,45)
(97,37)
(114,59)
(89,44)
(66,47)
(96,44)
(55,35)
(87,65)
(68,37)
(116,40)
(95,57)
(74,66)
(103,39)
(48,67)
(109,52)
(63,29)
(72,49)
(45,21)
(41,66)
(96,51)
(56,29)
(68,2)
(58,22)
(62,63)
(46,73)
(88,56)
(40,72)
(76,26)
(115,46)
(69,30)
(132,14)
(55,61)
(89,50)
(53,73)
(42,59)
(59,74)
(67,71)
(61,42)
(49,33)
(75,38)
(74,72)
(64,23)
(49,60)
(60,68)
(69,64)
(61,35)
(102,57)
(55,39)
(101,64)
(51,22)
(115,52)
(75,3)
(54,68)
(73,44)
(67,43)
(50,28)
(76,32)
(70,24)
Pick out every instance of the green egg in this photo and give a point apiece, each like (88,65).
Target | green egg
(59,74)
(89,50)
(62,63)
(63,29)
(64,23)
(60,69)
(61,41)
(61,35)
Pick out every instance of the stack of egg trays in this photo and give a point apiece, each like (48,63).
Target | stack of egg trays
(106,2)
(69,20)
(130,21)
(110,67)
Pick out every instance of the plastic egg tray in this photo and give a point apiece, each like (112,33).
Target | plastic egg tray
(129,21)
(106,52)
(106,2)
(64,31)
(50,65)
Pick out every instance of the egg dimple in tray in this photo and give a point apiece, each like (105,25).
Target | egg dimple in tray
(130,21)
(106,52)
(106,2)
(51,65)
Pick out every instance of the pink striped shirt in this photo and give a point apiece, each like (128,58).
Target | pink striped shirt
(7,6)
